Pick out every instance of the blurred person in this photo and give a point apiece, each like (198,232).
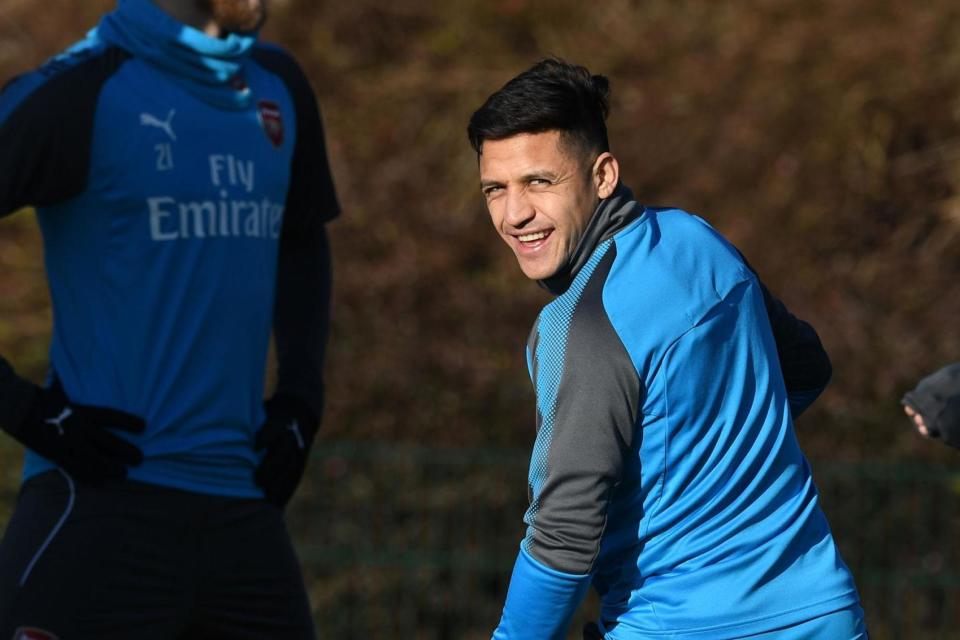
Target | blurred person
(665,470)
(179,173)
(934,405)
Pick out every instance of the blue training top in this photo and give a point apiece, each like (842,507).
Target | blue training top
(665,471)
(164,165)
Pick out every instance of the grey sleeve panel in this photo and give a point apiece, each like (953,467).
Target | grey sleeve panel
(597,410)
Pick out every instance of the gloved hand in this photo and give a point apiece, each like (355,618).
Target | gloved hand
(77,438)
(287,434)
(934,405)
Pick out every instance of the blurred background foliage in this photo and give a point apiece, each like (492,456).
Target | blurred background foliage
(821,137)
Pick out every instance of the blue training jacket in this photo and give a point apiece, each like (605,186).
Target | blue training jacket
(164,165)
(665,471)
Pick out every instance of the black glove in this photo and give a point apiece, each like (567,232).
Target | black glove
(592,632)
(286,434)
(937,399)
(76,437)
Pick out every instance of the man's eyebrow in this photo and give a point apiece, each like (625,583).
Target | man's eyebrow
(539,174)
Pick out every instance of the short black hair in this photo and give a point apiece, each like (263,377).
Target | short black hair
(551,95)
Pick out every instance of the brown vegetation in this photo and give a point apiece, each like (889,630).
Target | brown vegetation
(823,138)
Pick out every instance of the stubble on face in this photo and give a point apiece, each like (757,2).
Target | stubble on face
(236,15)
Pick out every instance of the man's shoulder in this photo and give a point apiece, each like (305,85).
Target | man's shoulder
(671,243)
(670,269)
(281,62)
(271,50)
(73,72)
(675,223)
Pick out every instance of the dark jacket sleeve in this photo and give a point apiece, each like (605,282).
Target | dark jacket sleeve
(937,399)
(803,360)
(302,315)
(302,310)
(46,128)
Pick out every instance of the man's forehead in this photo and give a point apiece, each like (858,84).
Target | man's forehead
(523,153)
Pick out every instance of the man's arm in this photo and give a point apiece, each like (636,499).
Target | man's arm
(302,315)
(46,129)
(300,327)
(588,405)
(46,123)
(302,308)
(803,360)
(25,149)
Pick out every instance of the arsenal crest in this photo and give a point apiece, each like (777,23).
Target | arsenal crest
(271,120)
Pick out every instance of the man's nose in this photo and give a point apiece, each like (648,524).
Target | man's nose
(518,208)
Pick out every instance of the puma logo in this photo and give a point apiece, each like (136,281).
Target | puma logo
(58,421)
(150,120)
(295,428)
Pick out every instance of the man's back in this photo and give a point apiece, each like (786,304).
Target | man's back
(713,529)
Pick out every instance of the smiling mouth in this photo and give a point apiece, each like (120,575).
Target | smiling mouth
(533,238)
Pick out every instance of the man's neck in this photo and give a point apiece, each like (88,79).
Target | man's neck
(187,12)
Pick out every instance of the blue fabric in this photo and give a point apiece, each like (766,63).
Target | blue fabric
(163,271)
(732,539)
(715,528)
(540,601)
(210,68)
(845,624)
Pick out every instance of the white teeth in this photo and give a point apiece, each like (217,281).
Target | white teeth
(530,237)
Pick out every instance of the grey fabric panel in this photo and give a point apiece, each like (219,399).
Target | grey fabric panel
(597,411)
(532,341)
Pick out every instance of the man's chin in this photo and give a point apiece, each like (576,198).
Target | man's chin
(537,271)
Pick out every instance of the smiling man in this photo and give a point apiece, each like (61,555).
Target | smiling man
(178,170)
(665,470)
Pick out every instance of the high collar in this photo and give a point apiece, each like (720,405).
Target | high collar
(612,214)
(210,68)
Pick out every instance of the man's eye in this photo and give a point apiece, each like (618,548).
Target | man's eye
(489,191)
(540,181)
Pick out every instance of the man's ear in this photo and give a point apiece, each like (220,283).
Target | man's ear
(606,174)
